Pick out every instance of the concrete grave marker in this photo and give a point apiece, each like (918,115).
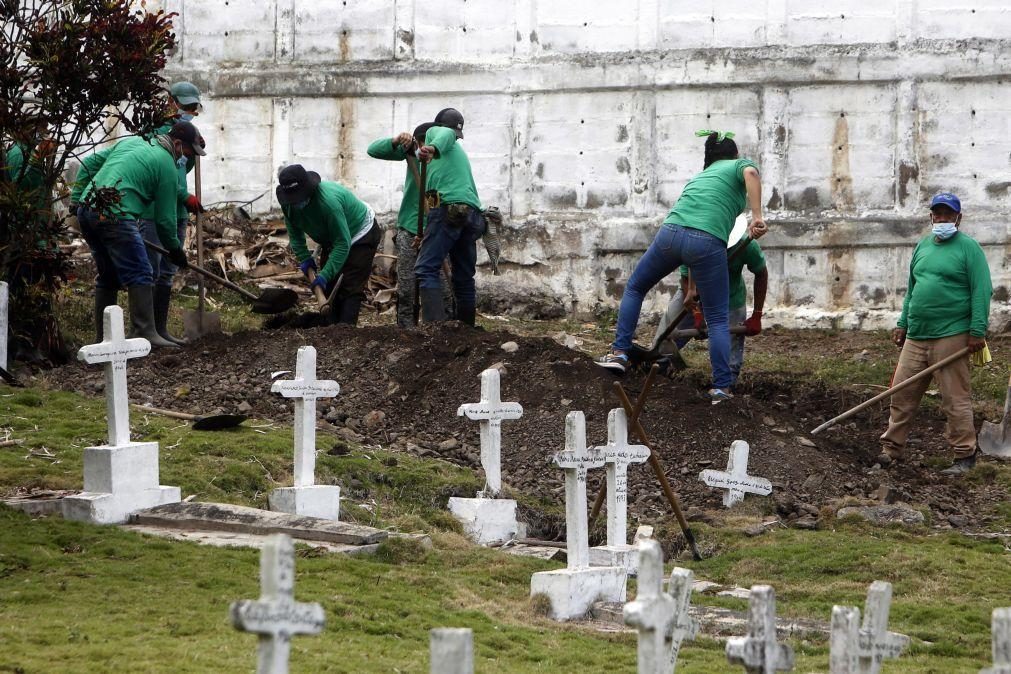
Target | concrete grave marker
(759,652)
(1000,623)
(491,412)
(736,480)
(487,519)
(451,650)
(306,497)
(276,617)
(660,617)
(122,476)
(618,454)
(573,590)
(4,297)
(861,650)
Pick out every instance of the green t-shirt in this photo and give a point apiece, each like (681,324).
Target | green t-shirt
(407,216)
(449,173)
(949,289)
(712,200)
(146,176)
(751,257)
(332,218)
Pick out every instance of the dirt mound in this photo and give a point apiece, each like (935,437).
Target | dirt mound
(418,378)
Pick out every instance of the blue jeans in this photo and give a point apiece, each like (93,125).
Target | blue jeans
(706,257)
(161,266)
(460,243)
(118,250)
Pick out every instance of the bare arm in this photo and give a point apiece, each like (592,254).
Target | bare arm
(753,186)
(761,288)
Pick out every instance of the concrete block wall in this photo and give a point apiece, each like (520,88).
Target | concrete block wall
(580,122)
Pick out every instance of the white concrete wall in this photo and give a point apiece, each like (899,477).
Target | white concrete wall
(580,121)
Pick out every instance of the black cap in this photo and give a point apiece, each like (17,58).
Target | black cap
(421,130)
(451,119)
(295,184)
(188,134)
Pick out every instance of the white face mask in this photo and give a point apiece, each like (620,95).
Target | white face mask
(944,230)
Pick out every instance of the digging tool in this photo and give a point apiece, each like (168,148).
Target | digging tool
(993,438)
(654,461)
(961,353)
(640,403)
(214,422)
(201,322)
(322,299)
(422,211)
(270,301)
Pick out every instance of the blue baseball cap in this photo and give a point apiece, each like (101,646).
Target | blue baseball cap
(946,199)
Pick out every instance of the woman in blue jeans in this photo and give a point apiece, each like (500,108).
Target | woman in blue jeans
(695,233)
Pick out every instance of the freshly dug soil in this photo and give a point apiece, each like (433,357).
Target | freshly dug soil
(418,378)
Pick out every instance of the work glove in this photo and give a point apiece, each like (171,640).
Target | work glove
(753,325)
(320,281)
(700,319)
(178,258)
(193,204)
(306,265)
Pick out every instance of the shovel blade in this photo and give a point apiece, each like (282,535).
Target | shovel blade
(197,324)
(275,301)
(218,422)
(993,440)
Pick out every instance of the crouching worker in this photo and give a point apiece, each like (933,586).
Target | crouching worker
(342,224)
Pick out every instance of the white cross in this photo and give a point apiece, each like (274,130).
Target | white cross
(1001,629)
(3,324)
(617,455)
(736,480)
(759,652)
(276,616)
(451,650)
(861,650)
(114,351)
(661,619)
(491,411)
(575,460)
(305,389)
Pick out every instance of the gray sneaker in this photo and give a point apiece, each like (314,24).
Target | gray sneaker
(615,363)
(961,466)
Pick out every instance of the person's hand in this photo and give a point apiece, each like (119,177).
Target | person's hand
(899,336)
(306,265)
(193,204)
(700,320)
(45,149)
(426,153)
(757,228)
(691,302)
(975,343)
(178,257)
(416,243)
(320,281)
(405,141)
(753,325)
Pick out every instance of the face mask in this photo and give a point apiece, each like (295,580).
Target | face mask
(181,162)
(944,230)
(186,117)
(300,205)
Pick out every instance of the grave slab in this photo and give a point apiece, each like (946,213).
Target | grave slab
(759,652)
(573,590)
(861,649)
(122,476)
(1000,625)
(276,617)
(486,520)
(736,480)
(305,497)
(451,650)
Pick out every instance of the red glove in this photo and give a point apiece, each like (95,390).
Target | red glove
(700,319)
(193,204)
(753,325)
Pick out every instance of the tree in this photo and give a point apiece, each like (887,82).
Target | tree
(72,73)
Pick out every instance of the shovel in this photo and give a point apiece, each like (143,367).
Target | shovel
(993,438)
(214,422)
(322,300)
(270,301)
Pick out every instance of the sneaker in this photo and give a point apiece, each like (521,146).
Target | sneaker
(617,363)
(961,466)
(716,396)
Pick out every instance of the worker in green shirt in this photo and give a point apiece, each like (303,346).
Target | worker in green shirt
(946,308)
(695,233)
(454,224)
(342,224)
(145,175)
(402,148)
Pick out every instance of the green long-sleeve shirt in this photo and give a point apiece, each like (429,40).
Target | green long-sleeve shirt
(146,176)
(449,173)
(949,289)
(407,216)
(25,176)
(332,218)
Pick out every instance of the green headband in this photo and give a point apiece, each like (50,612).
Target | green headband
(720,135)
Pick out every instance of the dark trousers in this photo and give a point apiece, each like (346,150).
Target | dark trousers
(354,275)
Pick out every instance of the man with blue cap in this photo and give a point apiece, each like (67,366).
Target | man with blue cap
(947,307)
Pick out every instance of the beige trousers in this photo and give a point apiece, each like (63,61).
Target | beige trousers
(953,380)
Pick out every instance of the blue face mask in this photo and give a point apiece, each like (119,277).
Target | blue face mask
(944,230)
(186,117)
(182,161)
(300,204)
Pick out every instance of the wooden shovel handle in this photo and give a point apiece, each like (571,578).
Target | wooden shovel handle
(961,353)
(164,413)
(206,274)
(316,290)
